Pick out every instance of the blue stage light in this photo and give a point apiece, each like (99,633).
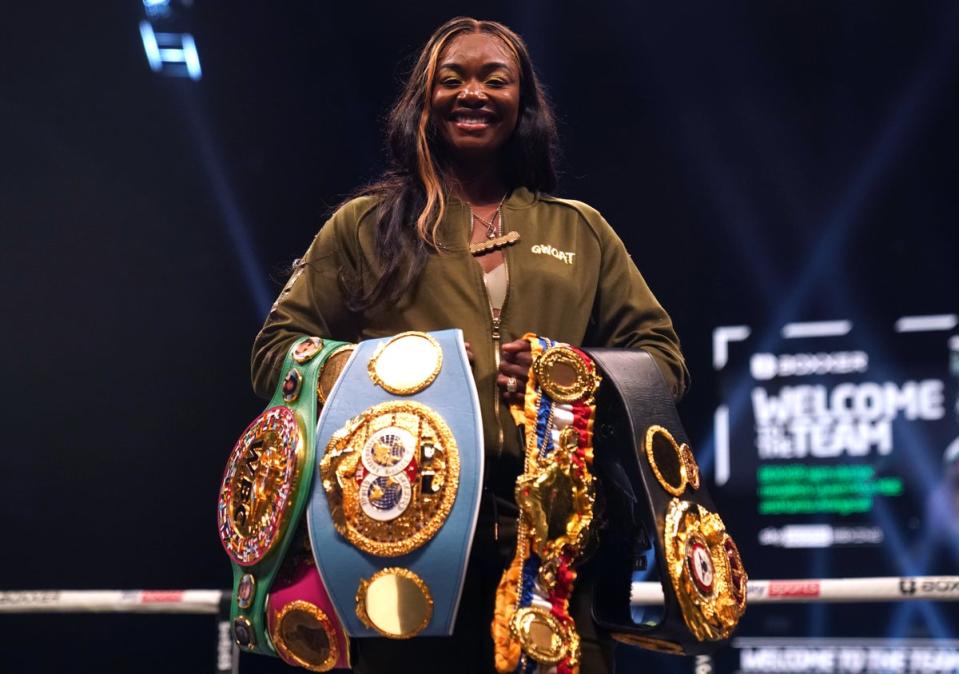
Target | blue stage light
(232,216)
(173,54)
(151,47)
(157,9)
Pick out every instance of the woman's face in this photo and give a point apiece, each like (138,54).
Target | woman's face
(475,102)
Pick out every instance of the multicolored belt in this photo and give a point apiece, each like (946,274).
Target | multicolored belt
(532,628)
(666,524)
(401,475)
(263,495)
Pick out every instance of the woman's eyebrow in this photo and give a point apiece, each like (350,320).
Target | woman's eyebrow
(486,67)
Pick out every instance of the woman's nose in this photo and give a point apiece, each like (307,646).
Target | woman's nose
(472,93)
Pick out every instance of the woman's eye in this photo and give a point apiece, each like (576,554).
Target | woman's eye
(496,83)
(450,82)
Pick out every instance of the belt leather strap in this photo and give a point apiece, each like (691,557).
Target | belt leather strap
(665,522)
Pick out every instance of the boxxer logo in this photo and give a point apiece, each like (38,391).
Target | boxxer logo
(765,366)
(940,586)
(909,586)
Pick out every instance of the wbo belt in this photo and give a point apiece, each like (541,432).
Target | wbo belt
(665,525)
(392,520)
(263,495)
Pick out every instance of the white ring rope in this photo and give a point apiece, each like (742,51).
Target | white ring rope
(894,589)
(112,601)
(829,590)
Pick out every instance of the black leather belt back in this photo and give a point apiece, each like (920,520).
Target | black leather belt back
(634,405)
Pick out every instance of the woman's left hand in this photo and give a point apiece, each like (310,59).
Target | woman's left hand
(514,363)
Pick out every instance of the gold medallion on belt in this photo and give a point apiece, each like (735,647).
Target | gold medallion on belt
(705,569)
(390,477)
(258,487)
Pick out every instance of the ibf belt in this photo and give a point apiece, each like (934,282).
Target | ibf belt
(532,628)
(392,520)
(665,523)
(265,490)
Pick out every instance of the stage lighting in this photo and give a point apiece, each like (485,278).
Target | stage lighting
(157,9)
(172,54)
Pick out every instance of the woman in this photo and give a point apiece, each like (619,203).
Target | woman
(460,232)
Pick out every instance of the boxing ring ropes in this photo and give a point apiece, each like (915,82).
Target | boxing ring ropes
(217,602)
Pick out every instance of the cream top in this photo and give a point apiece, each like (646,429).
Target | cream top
(496,282)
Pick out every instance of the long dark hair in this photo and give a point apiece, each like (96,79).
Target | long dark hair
(411,200)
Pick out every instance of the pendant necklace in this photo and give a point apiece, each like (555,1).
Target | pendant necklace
(494,231)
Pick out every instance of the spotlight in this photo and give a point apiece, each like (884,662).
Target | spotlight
(173,54)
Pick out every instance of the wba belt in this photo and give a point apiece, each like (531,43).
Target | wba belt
(392,520)
(532,628)
(665,524)
(263,494)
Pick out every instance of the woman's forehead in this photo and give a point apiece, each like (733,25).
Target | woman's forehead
(481,48)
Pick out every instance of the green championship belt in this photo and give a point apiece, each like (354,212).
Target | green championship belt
(266,484)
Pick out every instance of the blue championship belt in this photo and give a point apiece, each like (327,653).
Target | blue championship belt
(394,510)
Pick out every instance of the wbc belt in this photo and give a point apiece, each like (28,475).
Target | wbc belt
(665,525)
(392,520)
(263,495)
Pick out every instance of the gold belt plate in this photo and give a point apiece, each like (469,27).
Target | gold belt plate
(391,477)
(407,363)
(564,376)
(705,570)
(395,602)
(305,636)
(259,484)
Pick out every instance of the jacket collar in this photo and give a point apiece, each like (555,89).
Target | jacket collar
(520,197)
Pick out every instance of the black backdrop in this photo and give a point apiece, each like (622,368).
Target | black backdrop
(753,156)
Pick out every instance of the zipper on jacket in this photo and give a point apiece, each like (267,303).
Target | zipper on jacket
(495,333)
(495,325)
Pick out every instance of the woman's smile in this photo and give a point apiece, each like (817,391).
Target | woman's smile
(475,100)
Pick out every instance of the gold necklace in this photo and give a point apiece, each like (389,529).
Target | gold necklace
(490,224)
(494,231)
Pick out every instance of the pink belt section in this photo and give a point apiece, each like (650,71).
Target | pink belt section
(302,623)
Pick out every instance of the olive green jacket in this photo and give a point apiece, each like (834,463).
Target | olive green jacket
(570,278)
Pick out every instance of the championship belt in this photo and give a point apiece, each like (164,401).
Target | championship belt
(263,495)
(532,628)
(392,521)
(665,523)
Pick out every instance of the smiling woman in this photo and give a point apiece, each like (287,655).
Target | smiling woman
(461,232)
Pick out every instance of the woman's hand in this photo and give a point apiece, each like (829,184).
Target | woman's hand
(514,363)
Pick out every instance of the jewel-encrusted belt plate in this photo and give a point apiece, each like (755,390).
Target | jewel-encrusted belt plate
(401,469)
(663,523)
